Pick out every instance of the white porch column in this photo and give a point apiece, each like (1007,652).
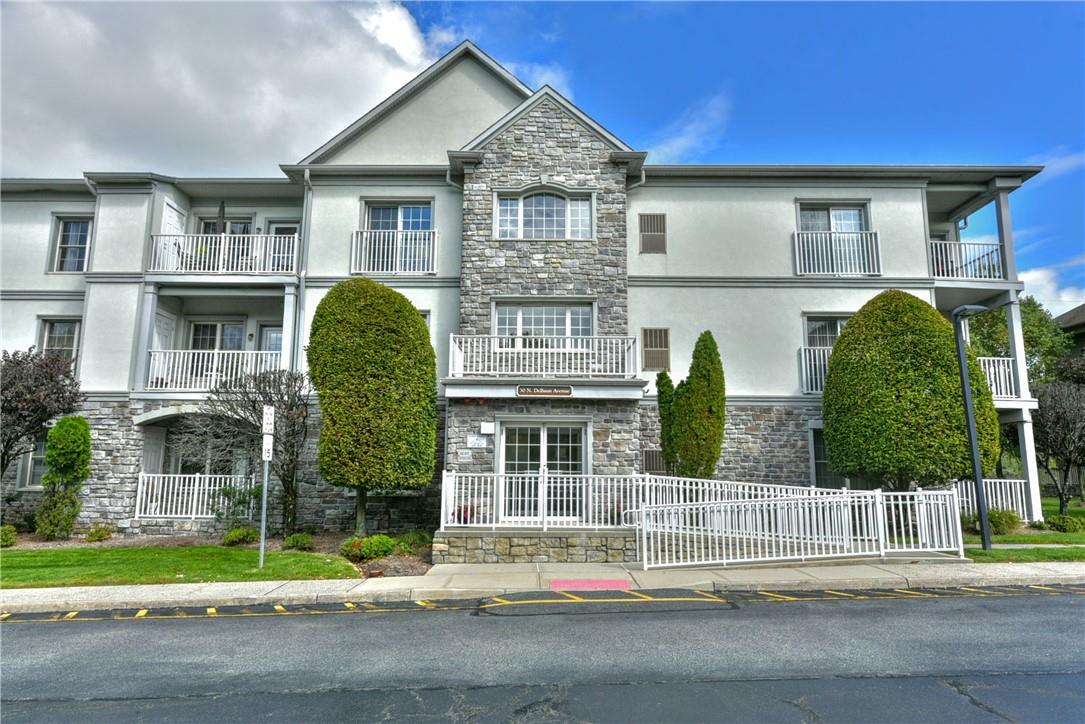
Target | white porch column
(148,308)
(1029,466)
(1017,348)
(290,309)
(1005,233)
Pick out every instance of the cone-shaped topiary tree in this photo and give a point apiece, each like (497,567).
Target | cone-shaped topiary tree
(893,405)
(699,412)
(372,363)
(665,402)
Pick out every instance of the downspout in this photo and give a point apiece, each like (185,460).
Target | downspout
(635,184)
(303,269)
(449,181)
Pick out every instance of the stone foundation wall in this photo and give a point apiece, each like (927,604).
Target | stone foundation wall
(615,426)
(534,547)
(761,444)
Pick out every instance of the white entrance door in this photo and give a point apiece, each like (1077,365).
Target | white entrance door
(281,251)
(527,449)
(154,449)
(164,326)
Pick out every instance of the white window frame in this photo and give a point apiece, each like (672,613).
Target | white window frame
(58,237)
(840,317)
(28,464)
(201,220)
(519,305)
(369,204)
(831,206)
(519,198)
(219,322)
(43,340)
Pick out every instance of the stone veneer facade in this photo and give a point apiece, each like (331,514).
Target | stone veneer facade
(523,546)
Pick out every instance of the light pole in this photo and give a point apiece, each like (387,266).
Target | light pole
(959,315)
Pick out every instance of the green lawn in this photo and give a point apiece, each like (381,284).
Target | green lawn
(1050,506)
(197,564)
(1025,555)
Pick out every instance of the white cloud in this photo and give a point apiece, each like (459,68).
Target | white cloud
(195,88)
(698,130)
(536,75)
(1056,162)
(1044,284)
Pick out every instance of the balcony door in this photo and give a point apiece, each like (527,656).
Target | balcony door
(526,449)
(207,370)
(399,237)
(838,232)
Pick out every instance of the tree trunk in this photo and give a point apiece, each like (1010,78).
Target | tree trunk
(1064,491)
(359,513)
(290,508)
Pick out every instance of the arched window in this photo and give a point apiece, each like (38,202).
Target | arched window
(544,215)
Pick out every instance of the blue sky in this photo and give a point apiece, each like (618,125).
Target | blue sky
(974,83)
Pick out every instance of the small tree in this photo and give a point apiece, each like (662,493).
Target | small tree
(665,402)
(36,388)
(893,404)
(700,412)
(1044,341)
(230,422)
(373,365)
(1059,431)
(67,456)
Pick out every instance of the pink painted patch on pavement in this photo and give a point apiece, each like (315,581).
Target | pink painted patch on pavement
(589,584)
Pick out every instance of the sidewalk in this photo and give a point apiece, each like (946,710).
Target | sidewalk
(484,580)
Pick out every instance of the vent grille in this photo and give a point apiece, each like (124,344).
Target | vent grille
(652,463)
(656,344)
(653,233)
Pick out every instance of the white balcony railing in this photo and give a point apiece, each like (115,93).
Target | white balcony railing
(1000,377)
(966,260)
(545,357)
(201,371)
(223,253)
(838,253)
(814,362)
(394,252)
(184,496)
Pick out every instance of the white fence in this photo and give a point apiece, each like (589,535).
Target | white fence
(843,253)
(223,253)
(203,370)
(574,357)
(814,362)
(1000,377)
(966,260)
(394,252)
(1001,494)
(845,524)
(184,496)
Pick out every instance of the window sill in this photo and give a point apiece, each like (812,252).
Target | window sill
(560,241)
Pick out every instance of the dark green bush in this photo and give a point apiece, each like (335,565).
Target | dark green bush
(240,536)
(1003,522)
(372,363)
(357,548)
(1066,524)
(699,412)
(67,457)
(7,536)
(1037,525)
(410,541)
(893,405)
(299,542)
(970,523)
(99,532)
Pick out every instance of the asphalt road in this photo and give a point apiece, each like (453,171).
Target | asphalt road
(968,659)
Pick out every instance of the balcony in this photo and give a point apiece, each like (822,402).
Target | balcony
(837,253)
(223,254)
(966,260)
(814,362)
(543,357)
(185,496)
(181,370)
(394,252)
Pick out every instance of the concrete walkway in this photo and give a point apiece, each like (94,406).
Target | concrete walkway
(485,580)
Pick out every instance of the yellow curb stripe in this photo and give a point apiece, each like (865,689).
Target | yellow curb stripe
(842,593)
(711,597)
(4,616)
(425,604)
(572,597)
(141,613)
(280,608)
(638,594)
(500,600)
(981,593)
(212,611)
(778,597)
(914,593)
(349,605)
(70,615)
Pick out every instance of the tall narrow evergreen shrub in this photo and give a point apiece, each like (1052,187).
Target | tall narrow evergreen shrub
(665,402)
(67,457)
(699,412)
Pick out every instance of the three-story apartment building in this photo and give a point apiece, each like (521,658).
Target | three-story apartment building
(557,269)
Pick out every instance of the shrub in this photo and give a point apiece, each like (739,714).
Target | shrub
(970,523)
(893,405)
(665,402)
(99,532)
(372,363)
(67,456)
(240,536)
(357,548)
(1037,525)
(410,541)
(299,542)
(1003,522)
(7,536)
(1066,524)
(699,412)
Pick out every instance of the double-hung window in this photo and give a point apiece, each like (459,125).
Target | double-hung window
(544,215)
(208,336)
(824,475)
(823,331)
(398,238)
(73,238)
(532,326)
(60,337)
(35,463)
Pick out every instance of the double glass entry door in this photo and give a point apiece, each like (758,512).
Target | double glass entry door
(527,449)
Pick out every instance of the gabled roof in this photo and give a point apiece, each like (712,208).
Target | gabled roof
(1073,319)
(544,93)
(412,88)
